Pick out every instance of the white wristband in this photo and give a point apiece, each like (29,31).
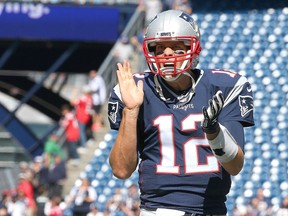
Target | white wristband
(224,146)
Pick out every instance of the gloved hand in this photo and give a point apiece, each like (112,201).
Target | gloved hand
(210,123)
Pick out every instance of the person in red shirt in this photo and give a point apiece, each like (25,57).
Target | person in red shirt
(83,109)
(26,187)
(72,132)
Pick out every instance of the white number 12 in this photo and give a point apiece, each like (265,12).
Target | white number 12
(192,164)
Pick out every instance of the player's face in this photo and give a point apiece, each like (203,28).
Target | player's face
(167,51)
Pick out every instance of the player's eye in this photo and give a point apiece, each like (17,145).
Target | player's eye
(179,52)
(159,52)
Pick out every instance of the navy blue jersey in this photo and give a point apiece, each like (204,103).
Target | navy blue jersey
(177,169)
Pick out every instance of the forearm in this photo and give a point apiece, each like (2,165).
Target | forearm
(231,156)
(234,166)
(123,156)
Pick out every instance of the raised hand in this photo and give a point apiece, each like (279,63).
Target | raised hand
(132,94)
(210,123)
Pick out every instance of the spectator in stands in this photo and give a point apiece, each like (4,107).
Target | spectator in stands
(52,207)
(253,207)
(183,5)
(151,8)
(124,209)
(40,174)
(57,176)
(240,211)
(26,189)
(3,210)
(260,204)
(72,132)
(127,204)
(123,50)
(113,204)
(132,200)
(52,147)
(167,4)
(283,210)
(81,197)
(98,89)
(19,204)
(41,199)
(139,57)
(83,109)
(23,166)
(6,200)
(94,211)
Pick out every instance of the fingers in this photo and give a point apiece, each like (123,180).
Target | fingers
(219,98)
(218,102)
(210,110)
(206,117)
(124,71)
(215,105)
(125,67)
(210,113)
(140,85)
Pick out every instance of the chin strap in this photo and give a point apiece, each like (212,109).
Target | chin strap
(158,88)
(184,98)
(191,92)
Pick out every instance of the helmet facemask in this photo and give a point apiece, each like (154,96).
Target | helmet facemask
(171,69)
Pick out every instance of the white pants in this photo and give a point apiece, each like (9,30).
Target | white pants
(163,212)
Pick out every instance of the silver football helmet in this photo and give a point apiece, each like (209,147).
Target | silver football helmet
(172,25)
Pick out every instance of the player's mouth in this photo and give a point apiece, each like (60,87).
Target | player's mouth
(168,69)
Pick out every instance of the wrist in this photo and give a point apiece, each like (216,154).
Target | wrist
(224,146)
(212,136)
(131,112)
(212,129)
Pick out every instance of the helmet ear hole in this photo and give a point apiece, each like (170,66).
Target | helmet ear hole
(151,48)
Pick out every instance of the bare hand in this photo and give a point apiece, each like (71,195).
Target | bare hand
(132,94)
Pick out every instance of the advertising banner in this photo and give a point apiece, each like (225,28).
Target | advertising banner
(38,21)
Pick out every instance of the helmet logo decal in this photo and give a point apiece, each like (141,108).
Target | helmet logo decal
(190,20)
(155,17)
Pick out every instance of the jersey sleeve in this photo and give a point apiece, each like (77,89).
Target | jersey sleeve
(238,104)
(115,107)
(238,96)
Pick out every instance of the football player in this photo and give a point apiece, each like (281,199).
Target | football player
(180,125)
